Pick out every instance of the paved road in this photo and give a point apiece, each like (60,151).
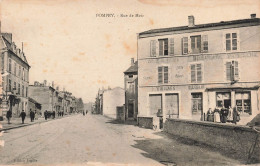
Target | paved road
(96,139)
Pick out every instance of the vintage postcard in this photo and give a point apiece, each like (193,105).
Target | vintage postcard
(133,82)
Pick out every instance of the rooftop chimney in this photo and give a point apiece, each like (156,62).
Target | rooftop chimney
(253,15)
(191,21)
(132,61)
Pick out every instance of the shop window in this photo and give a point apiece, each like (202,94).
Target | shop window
(196,103)
(196,73)
(243,102)
(232,71)
(163,47)
(172,105)
(155,102)
(223,99)
(163,74)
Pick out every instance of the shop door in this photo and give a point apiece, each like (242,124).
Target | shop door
(155,102)
(196,106)
(130,110)
(172,105)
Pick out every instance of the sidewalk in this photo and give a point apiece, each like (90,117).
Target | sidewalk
(17,122)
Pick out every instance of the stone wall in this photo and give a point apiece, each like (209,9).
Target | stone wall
(234,140)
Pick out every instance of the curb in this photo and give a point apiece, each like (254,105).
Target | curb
(24,125)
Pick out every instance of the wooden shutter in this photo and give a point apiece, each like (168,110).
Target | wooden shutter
(160,75)
(193,73)
(171,45)
(236,71)
(228,71)
(199,73)
(204,46)
(165,74)
(153,48)
(161,48)
(185,45)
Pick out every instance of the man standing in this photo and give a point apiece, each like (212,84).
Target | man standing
(23,115)
(31,115)
(8,116)
(53,114)
(45,114)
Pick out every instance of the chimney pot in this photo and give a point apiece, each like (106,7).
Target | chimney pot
(191,21)
(253,15)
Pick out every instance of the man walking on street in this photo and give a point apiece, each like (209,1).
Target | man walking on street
(31,115)
(23,115)
(8,116)
(45,114)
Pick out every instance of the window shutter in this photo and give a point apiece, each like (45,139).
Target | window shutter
(159,75)
(204,43)
(185,45)
(228,71)
(238,41)
(199,73)
(153,48)
(160,47)
(166,74)
(171,45)
(236,71)
(193,73)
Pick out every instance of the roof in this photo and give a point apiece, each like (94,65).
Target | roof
(199,26)
(132,69)
(8,45)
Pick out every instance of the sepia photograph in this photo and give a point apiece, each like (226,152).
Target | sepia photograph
(130,83)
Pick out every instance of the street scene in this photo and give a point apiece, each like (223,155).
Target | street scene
(129,83)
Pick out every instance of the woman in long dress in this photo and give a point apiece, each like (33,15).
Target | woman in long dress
(216,115)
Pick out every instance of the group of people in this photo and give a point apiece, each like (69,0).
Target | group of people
(22,115)
(52,114)
(223,115)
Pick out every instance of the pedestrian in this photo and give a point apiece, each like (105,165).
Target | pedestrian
(83,113)
(223,114)
(236,116)
(210,115)
(23,115)
(217,115)
(31,115)
(46,114)
(53,114)
(86,112)
(8,116)
(230,114)
(35,115)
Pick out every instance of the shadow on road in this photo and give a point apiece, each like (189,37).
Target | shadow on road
(128,122)
(172,150)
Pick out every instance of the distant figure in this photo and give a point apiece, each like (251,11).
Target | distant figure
(53,114)
(236,116)
(230,114)
(86,112)
(83,113)
(8,116)
(223,114)
(35,115)
(23,115)
(31,115)
(210,115)
(216,115)
(45,114)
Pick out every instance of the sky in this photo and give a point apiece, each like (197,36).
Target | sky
(66,41)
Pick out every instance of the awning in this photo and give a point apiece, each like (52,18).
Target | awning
(232,88)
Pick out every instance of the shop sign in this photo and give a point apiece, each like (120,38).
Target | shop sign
(192,87)
(165,88)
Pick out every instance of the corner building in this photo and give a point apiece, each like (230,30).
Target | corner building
(184,71)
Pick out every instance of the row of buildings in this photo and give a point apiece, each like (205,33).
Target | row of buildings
(16,93)
(183,71)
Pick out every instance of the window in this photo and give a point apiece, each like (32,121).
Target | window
(130,76)
(23,75)
(243,102)
(196,73)
(171,46)
(232,71)
(14,68)
(22,90)
(19,74)
(204,41)
(19,89)
(185,45)
(163,74)
(195,44)
(153,48)
(10,85)
(231,41)
(3,62)
(14,85)
(223,99)
(10,65)
(163,47)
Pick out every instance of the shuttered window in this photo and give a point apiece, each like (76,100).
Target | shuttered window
(205,43)
(185,45)
(153,48)
(171,46)
(232,71)
(196,73)
(163,74)
(163,47)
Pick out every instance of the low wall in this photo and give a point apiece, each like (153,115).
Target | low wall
(146,122)
(232,139)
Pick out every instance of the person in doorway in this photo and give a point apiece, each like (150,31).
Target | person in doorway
(31,115)
(23,115)
(8,116)
(46,114)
